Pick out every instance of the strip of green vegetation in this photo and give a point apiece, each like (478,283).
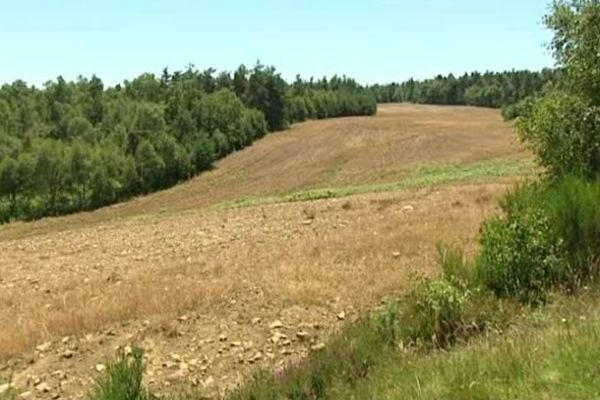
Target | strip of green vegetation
(424,176)
(558,361)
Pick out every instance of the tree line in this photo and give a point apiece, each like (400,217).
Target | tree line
(78,145)
(490,89)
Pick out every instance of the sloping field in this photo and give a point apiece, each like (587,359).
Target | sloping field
(213,292)
(316,154)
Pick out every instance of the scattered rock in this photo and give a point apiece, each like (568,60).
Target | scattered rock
(276,325)
(176,357)
(407,208)
(59,374)
(178,375)
(256,321)
(396,254)
(222,338)
(100,367)
(169,364)
(68,354)
(341,316)
(256,357)
(302,335)
(307,222)
(42,387)
(25,395)
(42,348)
(318,346)
(208,382)
(278,336)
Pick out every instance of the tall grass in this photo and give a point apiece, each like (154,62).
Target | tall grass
(123,379)
(558,361)
(574,209)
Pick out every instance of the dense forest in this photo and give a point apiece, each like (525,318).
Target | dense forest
(79,145)
(490,89)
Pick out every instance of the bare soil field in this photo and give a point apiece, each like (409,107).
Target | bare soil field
(214,294)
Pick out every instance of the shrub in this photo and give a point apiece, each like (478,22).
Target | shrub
(564,133)
(520,255)
(434,312)
(573,207)
(123,380)
(521,108)
(438,312)
(549,238)
(431,315)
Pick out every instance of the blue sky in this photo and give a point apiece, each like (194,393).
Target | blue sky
(372,41)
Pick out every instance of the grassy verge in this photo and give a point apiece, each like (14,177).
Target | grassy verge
(555,358)
(544,354)
(424,176)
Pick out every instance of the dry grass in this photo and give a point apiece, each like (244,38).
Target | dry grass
(300,262)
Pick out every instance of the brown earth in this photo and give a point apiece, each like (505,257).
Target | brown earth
(200,289)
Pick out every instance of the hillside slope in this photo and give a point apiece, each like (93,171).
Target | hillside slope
(203,289)
(343,151)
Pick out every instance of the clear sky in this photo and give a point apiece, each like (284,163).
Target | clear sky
(372,41)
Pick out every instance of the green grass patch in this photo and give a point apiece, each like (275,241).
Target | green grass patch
(556,361)
(424,176)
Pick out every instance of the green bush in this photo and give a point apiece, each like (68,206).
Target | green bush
(518,109)
(438,312)
(549,238)
(563,131)
(520,255)
(434,313)
(123,380)
(573,207)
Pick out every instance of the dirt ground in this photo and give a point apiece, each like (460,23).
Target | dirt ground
(214,295)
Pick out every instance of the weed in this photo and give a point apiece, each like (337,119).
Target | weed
(123,379)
